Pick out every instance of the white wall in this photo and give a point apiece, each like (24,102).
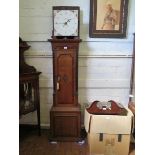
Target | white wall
(104,64)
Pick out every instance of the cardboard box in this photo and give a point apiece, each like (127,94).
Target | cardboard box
(108,134)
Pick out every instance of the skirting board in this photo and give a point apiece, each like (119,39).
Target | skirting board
(44,126)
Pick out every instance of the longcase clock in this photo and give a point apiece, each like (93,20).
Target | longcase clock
(65,115)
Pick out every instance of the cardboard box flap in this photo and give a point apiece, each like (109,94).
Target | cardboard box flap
(110,124)
(87,120)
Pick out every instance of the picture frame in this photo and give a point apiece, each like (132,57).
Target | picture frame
(108,18)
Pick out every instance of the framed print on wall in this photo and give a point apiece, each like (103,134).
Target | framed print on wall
(108,18)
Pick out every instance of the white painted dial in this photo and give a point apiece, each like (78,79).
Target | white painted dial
(65,22)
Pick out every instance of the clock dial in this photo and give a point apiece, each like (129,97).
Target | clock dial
(65,22)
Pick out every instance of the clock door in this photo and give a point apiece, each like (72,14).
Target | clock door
(65,78)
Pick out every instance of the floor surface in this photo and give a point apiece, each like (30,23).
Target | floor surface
(32,144)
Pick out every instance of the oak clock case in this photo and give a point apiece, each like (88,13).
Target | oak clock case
(66,21)
(65,114)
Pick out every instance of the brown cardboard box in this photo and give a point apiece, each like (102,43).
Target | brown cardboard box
(109,145)
(108,134)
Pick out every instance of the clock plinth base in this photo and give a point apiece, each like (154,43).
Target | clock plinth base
(65,124)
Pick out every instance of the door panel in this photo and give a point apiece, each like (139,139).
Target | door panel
(65,78)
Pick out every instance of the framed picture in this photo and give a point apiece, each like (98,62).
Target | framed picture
(108,18)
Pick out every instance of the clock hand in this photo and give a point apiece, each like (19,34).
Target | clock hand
(59,23)
(67,21)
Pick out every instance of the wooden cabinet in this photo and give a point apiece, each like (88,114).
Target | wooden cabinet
(65,113)
(29,98)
